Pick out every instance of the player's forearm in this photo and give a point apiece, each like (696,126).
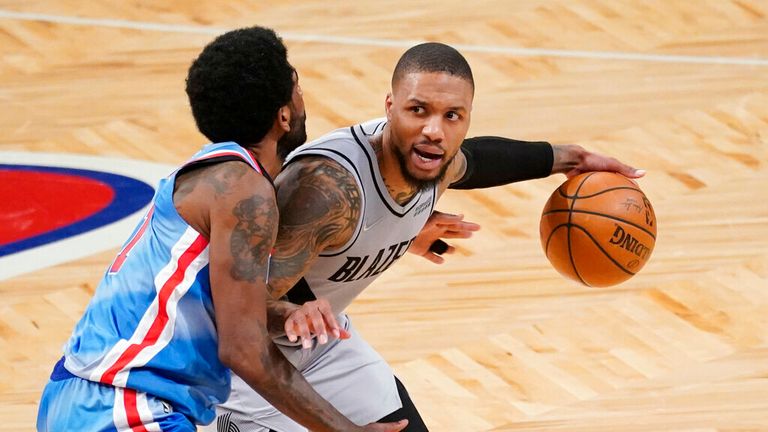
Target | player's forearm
(566,157)
(495,161)
(277,312)
(283,386)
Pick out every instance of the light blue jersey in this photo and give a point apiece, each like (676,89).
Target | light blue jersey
(150,327)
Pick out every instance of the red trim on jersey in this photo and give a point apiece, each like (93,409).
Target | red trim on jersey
(220,153)
(121,257)
(132,411)
(161,320)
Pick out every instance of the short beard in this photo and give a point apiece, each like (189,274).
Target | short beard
(293,138)
(417,183)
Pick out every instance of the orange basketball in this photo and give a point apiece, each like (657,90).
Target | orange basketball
(598,228)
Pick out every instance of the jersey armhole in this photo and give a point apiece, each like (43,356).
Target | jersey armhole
(347,164)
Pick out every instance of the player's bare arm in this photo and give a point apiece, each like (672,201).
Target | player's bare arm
(573,160)
(320,206)
(241,221)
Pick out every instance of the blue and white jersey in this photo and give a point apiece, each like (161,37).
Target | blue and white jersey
(150,326)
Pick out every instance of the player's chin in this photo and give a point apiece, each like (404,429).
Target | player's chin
(425,177)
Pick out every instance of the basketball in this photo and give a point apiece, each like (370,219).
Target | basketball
(598,228)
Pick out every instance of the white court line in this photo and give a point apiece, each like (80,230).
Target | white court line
(342,40)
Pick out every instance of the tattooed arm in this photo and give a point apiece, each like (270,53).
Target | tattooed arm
(235,207)
(320,206)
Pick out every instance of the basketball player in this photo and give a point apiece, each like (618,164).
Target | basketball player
(185,300)
(350,205)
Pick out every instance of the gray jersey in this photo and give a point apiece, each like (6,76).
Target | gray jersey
(348,373)
(384,231)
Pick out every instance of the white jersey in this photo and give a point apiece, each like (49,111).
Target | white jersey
(383,233)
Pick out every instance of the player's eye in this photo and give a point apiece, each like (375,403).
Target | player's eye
(417,109)
(452,115)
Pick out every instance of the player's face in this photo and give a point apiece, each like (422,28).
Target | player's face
(298,133)
(428,115)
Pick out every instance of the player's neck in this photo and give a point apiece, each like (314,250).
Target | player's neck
(399,188)
(265,151)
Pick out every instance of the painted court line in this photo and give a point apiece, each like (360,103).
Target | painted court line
(87,243)
(377,42)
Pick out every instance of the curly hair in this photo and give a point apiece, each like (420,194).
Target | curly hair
(238,83)
(433,57)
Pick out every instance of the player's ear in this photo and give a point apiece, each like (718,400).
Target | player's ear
(284,118)
(388,106)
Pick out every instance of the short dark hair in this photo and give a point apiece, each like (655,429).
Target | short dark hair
(238,83)
(433,57)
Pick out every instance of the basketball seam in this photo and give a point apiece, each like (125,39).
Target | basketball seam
(551,233)
(568,235)
(598,193)
(603,215)
(594,240)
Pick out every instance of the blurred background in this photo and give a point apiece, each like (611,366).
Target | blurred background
(494,339)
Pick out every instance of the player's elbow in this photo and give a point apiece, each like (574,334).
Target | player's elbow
(244,359)
(228,356)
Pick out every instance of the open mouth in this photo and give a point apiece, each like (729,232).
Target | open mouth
(428,155)
(427,158)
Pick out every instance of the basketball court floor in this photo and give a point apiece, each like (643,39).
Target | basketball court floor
(494,339)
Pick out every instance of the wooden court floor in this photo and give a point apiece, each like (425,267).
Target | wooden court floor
(493,340)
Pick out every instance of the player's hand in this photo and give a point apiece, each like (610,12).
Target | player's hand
(386,427)
(573,160)
(313,318)
(441,226)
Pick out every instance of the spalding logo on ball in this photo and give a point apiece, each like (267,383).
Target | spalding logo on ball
(598,228)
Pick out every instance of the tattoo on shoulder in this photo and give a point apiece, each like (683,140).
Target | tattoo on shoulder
(325,193)
(253,236)
(319,208)
(224,175)
(220,177)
